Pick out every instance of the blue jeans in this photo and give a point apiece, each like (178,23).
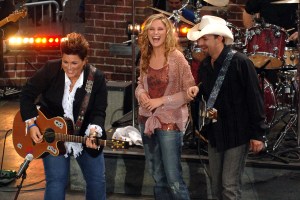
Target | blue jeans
(226,169)
(57,170)
(163,159)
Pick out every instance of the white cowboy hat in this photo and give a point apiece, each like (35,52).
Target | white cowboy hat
(211,25)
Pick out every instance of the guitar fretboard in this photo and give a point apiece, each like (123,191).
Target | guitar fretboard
(76,139)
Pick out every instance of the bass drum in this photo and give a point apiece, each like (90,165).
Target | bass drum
(270,102)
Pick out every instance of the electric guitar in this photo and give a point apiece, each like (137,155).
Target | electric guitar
(15,16)
(205,115)
(55,131)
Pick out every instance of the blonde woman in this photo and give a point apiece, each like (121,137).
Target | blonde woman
(164,79)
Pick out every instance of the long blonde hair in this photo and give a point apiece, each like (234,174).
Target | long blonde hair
(171,42)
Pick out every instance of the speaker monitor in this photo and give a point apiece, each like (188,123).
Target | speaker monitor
(119,101)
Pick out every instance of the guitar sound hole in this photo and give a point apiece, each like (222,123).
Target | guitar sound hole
(49,135)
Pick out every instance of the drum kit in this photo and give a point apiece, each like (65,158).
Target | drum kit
(266,45)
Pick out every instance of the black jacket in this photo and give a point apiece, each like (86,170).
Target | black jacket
(240,105)
(49,82)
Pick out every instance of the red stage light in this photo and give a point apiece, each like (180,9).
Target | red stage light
(46,42)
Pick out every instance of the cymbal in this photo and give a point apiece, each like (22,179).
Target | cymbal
(220,3)
(285,1)
(213,8)
(170,14)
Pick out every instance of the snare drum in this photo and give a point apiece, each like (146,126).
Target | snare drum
(266,44)
(291,57)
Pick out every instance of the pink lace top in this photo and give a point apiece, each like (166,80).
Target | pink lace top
(174,108)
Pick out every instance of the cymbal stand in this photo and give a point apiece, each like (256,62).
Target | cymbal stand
(266,150)
(287,89)
(287,127)
(176,14)
(295,113)
(197,12)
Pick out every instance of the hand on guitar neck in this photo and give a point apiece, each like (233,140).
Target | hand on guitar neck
(206,115)
(15,16)
(212,113)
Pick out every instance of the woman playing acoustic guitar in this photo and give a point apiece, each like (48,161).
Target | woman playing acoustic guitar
(70,88)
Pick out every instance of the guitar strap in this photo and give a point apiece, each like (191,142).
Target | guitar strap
(85,102)
(221,76)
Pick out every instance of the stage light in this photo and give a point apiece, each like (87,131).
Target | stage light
(136,29)
(183,30)
(44,42)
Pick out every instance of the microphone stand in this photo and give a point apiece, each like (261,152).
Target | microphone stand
(20,185)
(298,75)
(133,77)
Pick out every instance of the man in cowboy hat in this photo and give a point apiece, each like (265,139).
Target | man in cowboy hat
(239,119)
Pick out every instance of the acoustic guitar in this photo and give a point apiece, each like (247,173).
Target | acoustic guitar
(15,16)
(55,130)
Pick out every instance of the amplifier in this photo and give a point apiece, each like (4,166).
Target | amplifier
(119,100)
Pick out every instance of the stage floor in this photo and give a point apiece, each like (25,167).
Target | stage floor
(266,177)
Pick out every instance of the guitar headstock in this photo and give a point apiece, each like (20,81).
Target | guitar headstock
(117,144)
(16,15)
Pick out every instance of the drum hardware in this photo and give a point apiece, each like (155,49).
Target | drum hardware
(237,44)
(178,17)
(197,52)
(268,98)
(291,57)
(176,14)
(266,41)
(197,11)
(188,53)
(286,96)
(298,48)
(267,151)
(292,121)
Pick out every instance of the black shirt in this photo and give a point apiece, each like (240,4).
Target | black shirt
(240,106)
(283,15)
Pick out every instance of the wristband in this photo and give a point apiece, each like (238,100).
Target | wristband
(32,125)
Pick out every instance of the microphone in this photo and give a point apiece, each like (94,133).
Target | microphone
(24,165)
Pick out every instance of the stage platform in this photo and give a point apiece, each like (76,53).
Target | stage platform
(265,178)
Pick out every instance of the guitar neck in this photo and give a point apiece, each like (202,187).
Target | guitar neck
(76,139)
(4,21)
